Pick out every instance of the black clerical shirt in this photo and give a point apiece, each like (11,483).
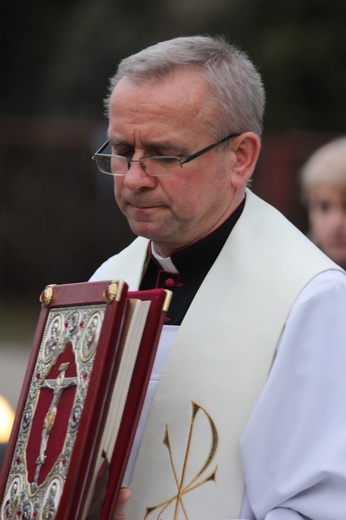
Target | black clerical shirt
(193,264)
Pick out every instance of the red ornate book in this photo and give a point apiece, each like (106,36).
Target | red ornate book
(80,402)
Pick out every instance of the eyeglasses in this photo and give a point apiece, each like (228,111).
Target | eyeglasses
(155,166)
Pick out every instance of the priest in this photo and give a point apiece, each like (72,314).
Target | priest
(245,414)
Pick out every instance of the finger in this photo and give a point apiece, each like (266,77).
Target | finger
(124,495)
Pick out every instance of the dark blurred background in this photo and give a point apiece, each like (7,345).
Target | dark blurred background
(58,220)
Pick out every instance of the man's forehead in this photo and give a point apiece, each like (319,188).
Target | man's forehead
(187,87)
(157,115)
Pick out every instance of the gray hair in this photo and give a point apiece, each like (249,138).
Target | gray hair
(236,86)
(327,165)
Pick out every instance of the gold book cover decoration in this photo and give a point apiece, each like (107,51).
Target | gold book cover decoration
(66,402)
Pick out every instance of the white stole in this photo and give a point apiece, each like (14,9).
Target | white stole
(188,466)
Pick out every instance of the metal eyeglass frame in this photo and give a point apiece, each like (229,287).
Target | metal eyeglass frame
(181,161)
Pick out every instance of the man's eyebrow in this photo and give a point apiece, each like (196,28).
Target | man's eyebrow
(117,142)
(151,145)
(163,146)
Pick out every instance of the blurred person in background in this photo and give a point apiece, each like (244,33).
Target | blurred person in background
(323,181)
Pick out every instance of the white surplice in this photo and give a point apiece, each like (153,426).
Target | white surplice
(294,445)
(257,297)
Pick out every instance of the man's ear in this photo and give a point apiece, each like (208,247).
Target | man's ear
(246,149)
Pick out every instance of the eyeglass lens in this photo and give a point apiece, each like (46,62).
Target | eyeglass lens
(155,166)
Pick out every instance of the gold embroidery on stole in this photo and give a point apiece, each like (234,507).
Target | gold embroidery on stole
(197,481)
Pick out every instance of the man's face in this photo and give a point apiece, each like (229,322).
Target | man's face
(167,117)
(327,215)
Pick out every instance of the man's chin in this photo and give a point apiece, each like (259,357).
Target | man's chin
(145,230)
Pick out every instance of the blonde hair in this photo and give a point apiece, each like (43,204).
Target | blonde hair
(326,166)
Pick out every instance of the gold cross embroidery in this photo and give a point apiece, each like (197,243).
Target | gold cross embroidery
(198,480)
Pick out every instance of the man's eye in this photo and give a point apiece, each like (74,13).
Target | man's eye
(124,153)
(168,160)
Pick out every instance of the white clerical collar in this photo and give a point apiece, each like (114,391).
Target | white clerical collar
(225,228)
(165,263)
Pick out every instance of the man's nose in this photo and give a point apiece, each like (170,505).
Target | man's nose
(136,177)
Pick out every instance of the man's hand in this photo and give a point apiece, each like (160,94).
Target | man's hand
(124,495)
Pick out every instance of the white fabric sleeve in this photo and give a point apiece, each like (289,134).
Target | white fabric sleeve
(284,514)
(294,446)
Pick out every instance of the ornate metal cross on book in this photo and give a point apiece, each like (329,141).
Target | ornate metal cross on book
(58,385)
